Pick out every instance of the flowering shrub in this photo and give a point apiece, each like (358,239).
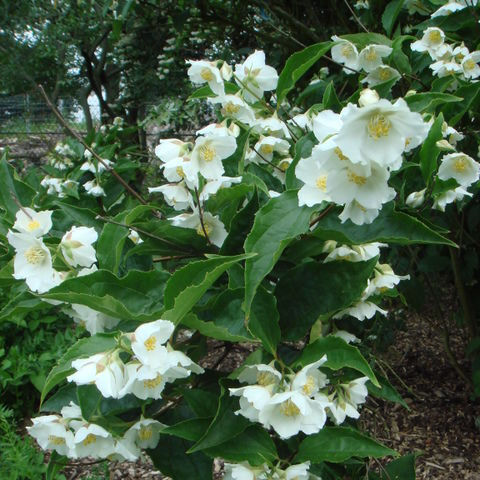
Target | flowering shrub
(285,213)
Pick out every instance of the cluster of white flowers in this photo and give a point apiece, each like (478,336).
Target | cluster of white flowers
(369,59)
(91,164)
(152,365)
(33,260)
(244,471)
(57,186)
(293,403)
(72,436)
(357,150)
(449,59)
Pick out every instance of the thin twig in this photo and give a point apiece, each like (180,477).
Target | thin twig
(200,213)
(355,16)
(323,214)
(19,205)
(87,147)
(265,160)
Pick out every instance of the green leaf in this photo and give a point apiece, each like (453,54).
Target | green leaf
(400,60)
(63,396)
(337,444)
(390,227)
(429,152)
(85,347)
(188,284)
(400,469)
(66,216)
(20,305)
(225,425)
(213,330)
(390,15)
(202,402)
(257,447)
(470,93)
(170,458)
(89,398)
(428,101)
(13,190)
(263,320)
(297,65)
(56,463)
(300,305)
(191,429)
(386,391)
(137,296)
(339,355)
(241,224)
(330,100)
(276,224)
(303,149)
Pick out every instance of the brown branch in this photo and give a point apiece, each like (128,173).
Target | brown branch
(323,214)
(200,213)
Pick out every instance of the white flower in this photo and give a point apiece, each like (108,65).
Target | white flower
(135,237)
(451,7)
(33,262)
(346,336)
(346,53)
(379,132)
(371,56)
(415,199)
(358,214)
(432,40)
(143,381)
(314,174)
(381,74)
(384,279)
(298,472)
(93,441)
(349,397)
(53,186)
(176,195)
(145,433)
(71,412)
(464,169)
(271,126)
(148,342)
(235,107)
(170,148)
(242,471)
(252,399)
(202,71)
(94,189)
(368,97)
(213,226)
(361,310)
(207,156)
(77,246)
(265,148)
(470,65)
(93,321)
(255,77)
(445,198)
(51,433)
(213,186)
(124,449)
(105,370)
(326,124)
(96,166)
(352,253)
(291,412)
(309,380)
(32,222)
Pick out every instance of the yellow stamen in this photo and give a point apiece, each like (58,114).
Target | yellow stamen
(283,165)
(180,172)
(385,74)
(378,126)
(90,438)
(434,36)
(231,108)
(206,74)
(54,440)
(33,225)
(145,433)
(208,229)
(207,153)
(357,179)
(321,182)
(266,149)
(265,378)
(339,154)
(35,255)
(309,386)
(347,50)
(469,64)
(155,382)
(150,343)
(371,55)
(289,409)
(460,164)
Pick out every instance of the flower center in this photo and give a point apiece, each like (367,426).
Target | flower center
(378,126)
(371,55)
(289,409)
(266,149)
(155,382)
(265,378)
(231,108)
(283,165)
(206,74)
(434,36)
(35,255)
(90,438)
(207,227)
(180,172)
(460,164)
(469,64)
(145,433)
(33,225)
(384,74)
(309,386)
(357,179)
(321,182)
(347,51)
(207,153)
(54,440)
(150,343)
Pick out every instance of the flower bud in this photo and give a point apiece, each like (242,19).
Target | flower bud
(415,199)
(368,97)
(226,71)
(445,146)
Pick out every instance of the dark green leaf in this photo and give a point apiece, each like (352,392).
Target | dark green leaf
(89,398)
(303,149)
(429,152)
(386,391)
(390,15)
(191,429)
(427,101)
